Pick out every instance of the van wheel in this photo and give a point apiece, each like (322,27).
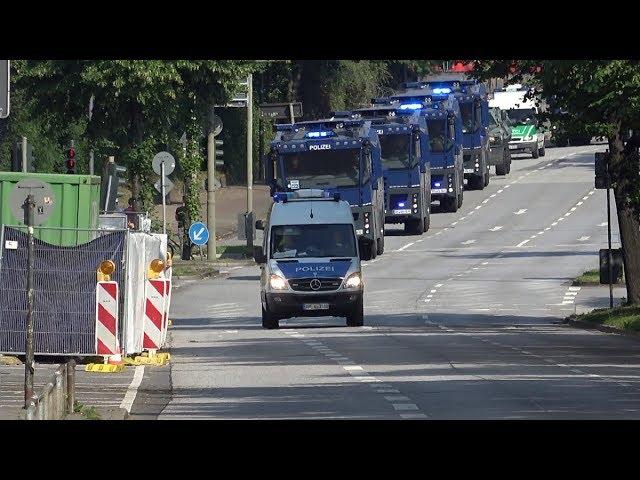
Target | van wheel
(486,177)
(541,152)
(426,222)
(414,226)
(355,318)
(502,168)
(269,320)
(535,153)
(460,197)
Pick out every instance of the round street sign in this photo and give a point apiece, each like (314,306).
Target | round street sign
(217,125)
(42,195)
(169,163)
(198,233)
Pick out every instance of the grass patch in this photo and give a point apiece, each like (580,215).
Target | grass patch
(193,268)
(591,277)
(233,249)
(89,412)
(624,317)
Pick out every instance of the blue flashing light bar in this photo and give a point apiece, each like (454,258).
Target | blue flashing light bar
(437,184)
(401,204)
(321,134)
(411,106)
(441,90)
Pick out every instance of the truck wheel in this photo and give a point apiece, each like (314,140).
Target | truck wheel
(541,152)
(502,168)
(476,183)
(449,204)
(380,249)
(269,320)
(355,318)
(373,249)
(486,177)
(426,222)
(460,197)
(535,153)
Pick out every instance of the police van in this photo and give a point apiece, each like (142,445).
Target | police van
(310,259)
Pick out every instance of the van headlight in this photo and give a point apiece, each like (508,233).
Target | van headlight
(353,281)
(277,282)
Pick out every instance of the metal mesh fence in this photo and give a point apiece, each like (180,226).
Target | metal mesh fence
(64,290)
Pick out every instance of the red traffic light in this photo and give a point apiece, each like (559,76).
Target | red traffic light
(71,163)
(71,153)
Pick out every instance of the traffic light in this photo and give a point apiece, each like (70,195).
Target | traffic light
(219,154)
(112,179)
(71,161)
(603,179)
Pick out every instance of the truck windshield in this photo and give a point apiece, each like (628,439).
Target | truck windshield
(469,124)
(321,168)
(303,241)
(438,138)
(522,116)
(395,151)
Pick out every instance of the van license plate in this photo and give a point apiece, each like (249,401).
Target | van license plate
(513,147)
(402,211)
(469,170)
(315,306)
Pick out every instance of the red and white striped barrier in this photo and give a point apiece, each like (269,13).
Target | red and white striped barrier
(107,318)
(154,314)
(167,305)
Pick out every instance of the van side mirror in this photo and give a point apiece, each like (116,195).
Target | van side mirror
(423,169)
(260,225)
(258,255)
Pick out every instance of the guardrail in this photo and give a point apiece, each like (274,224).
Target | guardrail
(57,397)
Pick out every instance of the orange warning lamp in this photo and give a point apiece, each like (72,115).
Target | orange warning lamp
(156,267)
(105,270)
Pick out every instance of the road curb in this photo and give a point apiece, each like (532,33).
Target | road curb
(603,328)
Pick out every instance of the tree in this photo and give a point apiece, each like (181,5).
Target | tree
(606,96)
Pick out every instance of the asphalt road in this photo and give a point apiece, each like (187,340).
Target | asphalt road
(460,323)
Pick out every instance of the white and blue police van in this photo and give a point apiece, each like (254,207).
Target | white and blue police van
(310,259)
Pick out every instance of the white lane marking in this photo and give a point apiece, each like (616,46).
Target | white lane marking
(585,197)
(573,209)
(427,299)
(446,228)
(567,294)
(406,246)
(396,398)
(554,224)
(591,192)
(132,390)
(454,223)
(500,191)
(603,224)
(548,228)
(355,367)
(496,228)
(485,263)
(485,200)
(468,242)
(491,196)
(433,291)
(521,211)
(579,203)
(413,415)
(385,390)
(462,218)
(533,236)
(430,295)
(298,335)
(367,379)
(507,186)
(405,406)
(567,214)
(584,238)
(478,207)
(575,289)
(523,242)
(438,233)
(540,232)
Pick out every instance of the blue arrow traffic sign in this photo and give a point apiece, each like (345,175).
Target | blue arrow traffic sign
(199,233)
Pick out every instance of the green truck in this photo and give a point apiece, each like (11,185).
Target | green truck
(75,206)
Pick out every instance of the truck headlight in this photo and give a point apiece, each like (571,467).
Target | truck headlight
(492,139)
(529,137)
(353,281)
(277,282)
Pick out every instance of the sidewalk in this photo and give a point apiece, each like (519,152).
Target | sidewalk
(597,296)
(230,201)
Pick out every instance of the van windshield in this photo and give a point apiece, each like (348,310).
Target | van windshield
(303,241)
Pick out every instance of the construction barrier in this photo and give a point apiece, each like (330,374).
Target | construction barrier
(108,297)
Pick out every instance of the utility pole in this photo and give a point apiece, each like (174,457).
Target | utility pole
(211,194)
(25,167)
(609,259)
(250,161)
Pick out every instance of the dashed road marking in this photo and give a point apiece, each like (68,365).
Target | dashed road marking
(523,242)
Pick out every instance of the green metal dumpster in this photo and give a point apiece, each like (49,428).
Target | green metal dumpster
(74,218)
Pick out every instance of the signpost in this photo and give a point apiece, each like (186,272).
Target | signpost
(4,88)
(163,164)
(603,181)
(31,200)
